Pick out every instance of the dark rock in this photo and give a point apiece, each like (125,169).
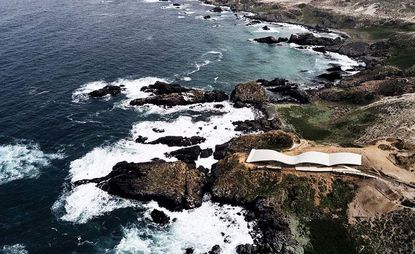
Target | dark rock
(188,154)
(216,9)
(160,88)
(178,140)
(159,217)
(141,139)
(176,4)
(250,92)
(254,22)
(320,49)
(219,106)
(310,39)
(207,17)
(331,76)
(354,49)
(158,130)
(107,90)
(284,91)
(215,250)
(174,185)
(270,40)
(257,125)
(205,153)
(189,251)
(172,95)
(265,28)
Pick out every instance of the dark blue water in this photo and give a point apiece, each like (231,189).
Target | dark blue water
(49,49)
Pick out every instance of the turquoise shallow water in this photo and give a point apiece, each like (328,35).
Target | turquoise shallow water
(50,134)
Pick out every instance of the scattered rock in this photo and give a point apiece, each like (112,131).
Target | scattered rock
(107,90)
(261,124)
(250,92)
(159,217)
(265,28)
(207,17)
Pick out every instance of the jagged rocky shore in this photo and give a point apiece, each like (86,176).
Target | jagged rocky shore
(295,212)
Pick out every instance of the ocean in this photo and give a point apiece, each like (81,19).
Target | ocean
(51,133)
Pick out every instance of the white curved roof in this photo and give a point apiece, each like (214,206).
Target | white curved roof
(327,159)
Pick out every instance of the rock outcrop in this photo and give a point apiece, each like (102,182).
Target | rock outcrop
(276,139)
(261,124)
(270,39)
(159,217)
(174,185)
(285,91)
(251,93)
(173,95)
(106,90)
(178,140)
(310,39)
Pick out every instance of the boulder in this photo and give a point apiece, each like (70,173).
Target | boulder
(159,217)
(266,28)
(270,40)
(216,9)
(215,250)
(188,154)
(178,140)
(207,17)
(174,185)
(141,139)
(250,92)
(106,90)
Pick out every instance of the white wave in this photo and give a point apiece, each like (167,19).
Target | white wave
(200,228)
(86,202)
(131,88)
(187,79)
(207,58)
(14,249)
(216,129)
(344,61)
(20,161)
(81,94)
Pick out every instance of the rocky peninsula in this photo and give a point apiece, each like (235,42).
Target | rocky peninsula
(370,113)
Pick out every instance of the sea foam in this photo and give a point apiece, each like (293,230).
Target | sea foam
(200,228)
(18,161)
